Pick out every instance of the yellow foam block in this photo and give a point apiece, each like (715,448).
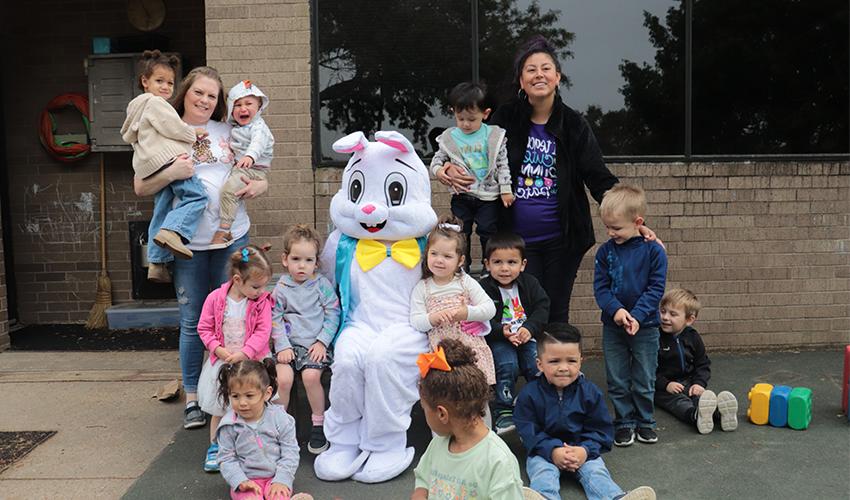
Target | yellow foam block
(759,410)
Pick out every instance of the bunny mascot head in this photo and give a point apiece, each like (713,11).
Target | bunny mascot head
(382,214)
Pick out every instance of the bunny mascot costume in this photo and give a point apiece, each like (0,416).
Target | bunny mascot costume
(382,214)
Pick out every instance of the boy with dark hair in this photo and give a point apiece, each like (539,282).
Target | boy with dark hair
(564,424)
(522,309)
(479,149)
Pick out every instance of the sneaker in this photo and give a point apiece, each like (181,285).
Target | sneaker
(211,462)
(529,494)
(727,405)
(172,242)
(705,412)
(193,417)
(317,443)
(640,493)
(504,423)
(647,435)
(221,239)
(158,273)
(624,436)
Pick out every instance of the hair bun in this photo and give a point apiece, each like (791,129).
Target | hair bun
(457,353)
(151,54)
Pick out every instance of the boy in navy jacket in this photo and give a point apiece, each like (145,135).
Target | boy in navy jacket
(564,424)
(681,382)
(628,283)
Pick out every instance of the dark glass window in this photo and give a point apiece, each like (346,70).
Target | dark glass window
(770,77)
(767,76)
(624,70)
(388,65)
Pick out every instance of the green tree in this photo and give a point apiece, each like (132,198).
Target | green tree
(390,63)
(769,76)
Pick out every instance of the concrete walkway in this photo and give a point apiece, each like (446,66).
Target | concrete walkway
(114,440)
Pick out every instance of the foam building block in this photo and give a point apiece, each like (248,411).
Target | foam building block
(779,406)
(759,409)
(800,408)
(846,381)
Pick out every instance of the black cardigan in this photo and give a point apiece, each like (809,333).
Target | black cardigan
(534,301)
(579,164)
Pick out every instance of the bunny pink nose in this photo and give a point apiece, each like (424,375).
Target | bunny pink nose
(368,209)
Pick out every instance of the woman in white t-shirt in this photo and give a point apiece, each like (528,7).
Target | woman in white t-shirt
(200,103)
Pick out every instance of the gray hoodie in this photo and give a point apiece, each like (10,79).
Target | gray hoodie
(498,178)
(304,312)
(270,450)
(254,139)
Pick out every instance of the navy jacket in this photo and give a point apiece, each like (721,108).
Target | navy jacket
(534,301)
(682,358)
(578,417)
(630,276)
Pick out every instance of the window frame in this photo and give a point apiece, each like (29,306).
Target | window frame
(687,157)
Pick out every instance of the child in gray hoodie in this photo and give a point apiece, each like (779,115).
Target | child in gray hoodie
(253,146)
(305,319)
(258,450)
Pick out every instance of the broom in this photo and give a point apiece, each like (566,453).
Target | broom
(103,299)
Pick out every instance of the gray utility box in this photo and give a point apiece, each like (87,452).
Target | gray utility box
(113,83)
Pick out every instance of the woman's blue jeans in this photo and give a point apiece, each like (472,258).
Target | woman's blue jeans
(593,476)
(630,363)
(194,279)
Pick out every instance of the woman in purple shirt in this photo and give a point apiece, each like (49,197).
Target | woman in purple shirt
(553,155)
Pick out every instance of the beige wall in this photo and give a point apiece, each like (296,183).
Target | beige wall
(766,246)
(268,42)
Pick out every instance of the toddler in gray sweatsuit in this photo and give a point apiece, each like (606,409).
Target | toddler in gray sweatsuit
(305,319)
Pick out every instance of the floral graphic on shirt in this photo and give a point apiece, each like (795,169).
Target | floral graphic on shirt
(538,174)
(202,153)
(445,485)
(226,151)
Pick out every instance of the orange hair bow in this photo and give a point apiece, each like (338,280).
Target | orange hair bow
(436,360)
(246,83)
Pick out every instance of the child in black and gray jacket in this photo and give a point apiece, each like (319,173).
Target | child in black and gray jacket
(522,310)
(684,368)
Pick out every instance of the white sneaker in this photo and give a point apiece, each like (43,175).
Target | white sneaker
(727,405)
(705,412)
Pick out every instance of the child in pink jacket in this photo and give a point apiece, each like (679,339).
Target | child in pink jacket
(235,325)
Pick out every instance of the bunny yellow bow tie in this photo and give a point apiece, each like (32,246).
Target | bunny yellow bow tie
(370,253)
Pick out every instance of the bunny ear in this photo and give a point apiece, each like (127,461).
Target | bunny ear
(394,140)
(351,143)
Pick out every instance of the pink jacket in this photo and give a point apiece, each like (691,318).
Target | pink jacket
(258,323)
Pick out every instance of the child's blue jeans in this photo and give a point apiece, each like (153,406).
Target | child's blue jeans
(630,363)
(183,219)
(510,361)
(545,478)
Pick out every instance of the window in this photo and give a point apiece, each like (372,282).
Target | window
(766,76)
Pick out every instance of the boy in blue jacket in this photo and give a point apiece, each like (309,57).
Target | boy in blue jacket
(564,424)
(628,283)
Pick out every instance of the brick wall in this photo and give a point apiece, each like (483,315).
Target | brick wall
(268,42)
(765,246)
(55,206)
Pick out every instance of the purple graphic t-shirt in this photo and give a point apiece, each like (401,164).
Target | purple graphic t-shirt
(536,215)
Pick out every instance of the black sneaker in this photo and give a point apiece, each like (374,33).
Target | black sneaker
(317,443)
(504,423)
(647,435)
(624,436)
(193,417)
